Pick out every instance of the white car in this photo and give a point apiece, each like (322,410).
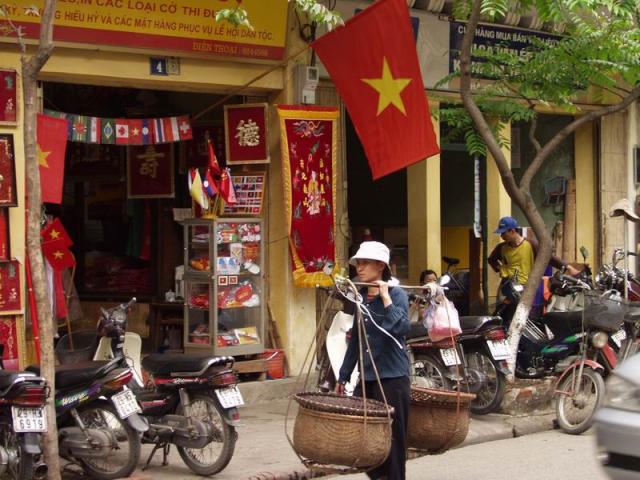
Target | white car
(618,422)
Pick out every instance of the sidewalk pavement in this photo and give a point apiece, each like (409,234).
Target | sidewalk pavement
(263,452)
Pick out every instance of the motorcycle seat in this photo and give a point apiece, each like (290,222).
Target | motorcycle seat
(417,330)
(188,365)
(473,323)
(563,322)
(632,317)
(75,374)
(8,377)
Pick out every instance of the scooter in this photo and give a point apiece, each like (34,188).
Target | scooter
(190,401)
(97,414)
(23,419)
(580,388)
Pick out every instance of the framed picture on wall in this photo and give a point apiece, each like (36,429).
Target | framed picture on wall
(8,96)
(10,286)
(8,197)
(245,131)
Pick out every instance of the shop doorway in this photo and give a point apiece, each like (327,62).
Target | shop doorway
(125,246)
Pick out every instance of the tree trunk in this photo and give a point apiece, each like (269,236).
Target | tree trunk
(521,194)
(30,69)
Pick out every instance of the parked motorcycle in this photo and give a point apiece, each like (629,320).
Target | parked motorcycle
(190,401)
(580,388)
(22,421)
(550,338)
(97,417)
(476,359)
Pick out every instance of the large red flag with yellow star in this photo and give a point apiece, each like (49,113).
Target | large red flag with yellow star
(374,65)
(52,143)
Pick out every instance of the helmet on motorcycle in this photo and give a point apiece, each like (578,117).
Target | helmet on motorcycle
(511,290)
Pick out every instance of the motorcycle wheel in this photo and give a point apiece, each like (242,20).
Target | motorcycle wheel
(125,454)
(575,412)
(215,456)
(489,398)
(24,461)
(429,372)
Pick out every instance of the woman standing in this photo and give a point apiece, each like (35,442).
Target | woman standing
(388,308)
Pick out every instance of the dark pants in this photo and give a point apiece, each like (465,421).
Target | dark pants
(397,391)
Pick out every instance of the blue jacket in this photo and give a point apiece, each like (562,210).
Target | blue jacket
(391,361)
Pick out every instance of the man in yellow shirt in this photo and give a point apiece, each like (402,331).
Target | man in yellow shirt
(516,254)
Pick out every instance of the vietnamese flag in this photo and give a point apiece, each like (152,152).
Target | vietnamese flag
(135,132)
(55,232)
(374,65)
(51,134)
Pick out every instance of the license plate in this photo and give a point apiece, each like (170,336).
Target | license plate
(450,356)
(230,397)
(499,349)
(29,419)
(619,337)
(126,403)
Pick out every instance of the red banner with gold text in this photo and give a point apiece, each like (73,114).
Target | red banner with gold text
(309,146)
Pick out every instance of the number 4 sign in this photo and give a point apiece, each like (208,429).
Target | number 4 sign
(158,66)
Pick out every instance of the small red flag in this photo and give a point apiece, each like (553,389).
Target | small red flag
(51,136)
(184,126)
(122,131)
(214,166)
(227,192)
(58,255)
(135,132)
(374,65)
(55,231)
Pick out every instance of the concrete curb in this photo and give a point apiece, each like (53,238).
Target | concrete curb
(482,430)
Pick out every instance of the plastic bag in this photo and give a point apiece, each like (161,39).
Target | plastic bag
(441,320)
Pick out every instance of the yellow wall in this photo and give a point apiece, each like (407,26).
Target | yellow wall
(17,214)
(423,211)
(455,243)
(585,193)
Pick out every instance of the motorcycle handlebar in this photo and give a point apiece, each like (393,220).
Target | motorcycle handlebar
(126,306)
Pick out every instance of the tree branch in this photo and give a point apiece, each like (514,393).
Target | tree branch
(474,112)
(542,155)
(45,46)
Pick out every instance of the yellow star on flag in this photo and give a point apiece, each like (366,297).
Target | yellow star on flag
(58,254)
(388,88)
(54,234)
(42,157)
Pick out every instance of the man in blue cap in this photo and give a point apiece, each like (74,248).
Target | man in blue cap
(516,254)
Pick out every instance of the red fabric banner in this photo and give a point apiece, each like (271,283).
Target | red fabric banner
(9,336)
(374,65)
(150,171)
(52,145)
(309,145)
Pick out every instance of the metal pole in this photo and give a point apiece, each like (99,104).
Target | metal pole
(626,258)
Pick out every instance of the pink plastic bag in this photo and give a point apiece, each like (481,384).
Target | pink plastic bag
(441,320)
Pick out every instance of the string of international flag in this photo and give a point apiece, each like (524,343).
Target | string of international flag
(125,131)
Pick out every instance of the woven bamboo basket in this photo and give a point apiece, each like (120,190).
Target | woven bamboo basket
(332,430)
(435,422)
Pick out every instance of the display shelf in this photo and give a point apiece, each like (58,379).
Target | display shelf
(234,322)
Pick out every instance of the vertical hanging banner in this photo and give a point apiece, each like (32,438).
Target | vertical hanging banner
(8,195)
(309,137)
(9,336)
(245,129)
(150,171)
(9,286)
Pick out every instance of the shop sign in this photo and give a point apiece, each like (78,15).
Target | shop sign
(150,171)
(8,102)
(161,25)
(496,38)
(245,129)
(9,286)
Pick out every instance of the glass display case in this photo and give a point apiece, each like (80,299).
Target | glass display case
(224,285)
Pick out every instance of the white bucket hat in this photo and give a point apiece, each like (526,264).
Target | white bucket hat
(371,251)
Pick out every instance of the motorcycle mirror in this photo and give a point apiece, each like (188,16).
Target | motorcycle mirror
(444,280)
(584,252)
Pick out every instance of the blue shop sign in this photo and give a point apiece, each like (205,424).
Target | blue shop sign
(493,37)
